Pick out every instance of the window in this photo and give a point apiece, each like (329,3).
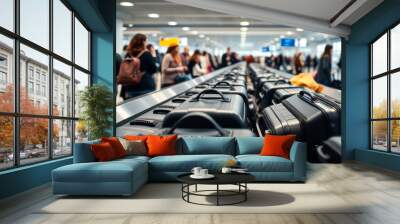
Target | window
(46,75)
(385,95)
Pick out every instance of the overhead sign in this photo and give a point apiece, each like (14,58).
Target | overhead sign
(287,42)
(167,41)
(265,49)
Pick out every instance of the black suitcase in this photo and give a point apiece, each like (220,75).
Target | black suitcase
(318,115)
(282,93)
(228,110)
(278,120)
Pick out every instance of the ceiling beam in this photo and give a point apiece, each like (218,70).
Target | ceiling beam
(268,15)
(346,12)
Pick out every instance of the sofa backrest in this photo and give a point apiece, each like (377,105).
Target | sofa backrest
(195,145)
(249,145)
(83,153)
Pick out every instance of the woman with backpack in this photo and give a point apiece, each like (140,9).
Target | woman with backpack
(173,71)
(137,70)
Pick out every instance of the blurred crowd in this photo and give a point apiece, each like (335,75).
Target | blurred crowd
(163,69)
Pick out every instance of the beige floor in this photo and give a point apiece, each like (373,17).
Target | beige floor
(377,188)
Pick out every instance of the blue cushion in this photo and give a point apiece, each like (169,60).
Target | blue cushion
(249,145)
(257,163)
(206,145)
(83,153)
(185,163)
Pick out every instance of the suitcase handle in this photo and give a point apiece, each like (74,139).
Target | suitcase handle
(212,91)
(205,117)
(308,94)
(282,81)
(224,83)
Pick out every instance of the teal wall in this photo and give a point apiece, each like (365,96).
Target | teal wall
(356,84)
(99,15)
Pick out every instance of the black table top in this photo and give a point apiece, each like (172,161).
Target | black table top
(220,178)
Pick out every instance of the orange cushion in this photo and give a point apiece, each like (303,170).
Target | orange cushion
(277,145)
(116,145)
(103,152)
(161,145)
(136,137)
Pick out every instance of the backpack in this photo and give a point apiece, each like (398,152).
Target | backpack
(129,71)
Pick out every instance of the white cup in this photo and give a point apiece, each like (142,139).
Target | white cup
(226,170)
(196,171)
(203,172)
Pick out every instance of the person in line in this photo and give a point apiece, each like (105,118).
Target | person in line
(307,63)
(173,71)
(185,55)
(298,63)
(156,55)
(227,58)
(137,48)
(195,67)
(325,66)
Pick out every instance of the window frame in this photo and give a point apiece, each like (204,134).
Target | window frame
(388,74)
(15,68)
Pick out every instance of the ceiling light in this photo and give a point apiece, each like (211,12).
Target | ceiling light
(126,4)
(282,36)
(130,25)
(202,35)
(194,32)
(299,30)
(185,28)
(244,29)
(289,32)
(153,15)
(172,23)
(244,23)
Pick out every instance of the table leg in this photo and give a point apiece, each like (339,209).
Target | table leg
(217,194)
(196,187)
(245,193)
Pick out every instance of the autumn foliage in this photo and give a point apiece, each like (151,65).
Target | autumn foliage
(380,127)
(33,131)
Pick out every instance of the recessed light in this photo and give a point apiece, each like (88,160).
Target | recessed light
(130,25)
(194,32)
(126,4)
(185,28)
(202,35)
(172,23)
(244,23)
(153,15)
(289,32)
(299,29)
(244,29)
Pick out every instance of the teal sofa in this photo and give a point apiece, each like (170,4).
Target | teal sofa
(125,176)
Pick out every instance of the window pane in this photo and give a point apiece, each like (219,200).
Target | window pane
(6,74)
(379,135)
(62,138)
(62,89)
(379,97)
(81,45)
(379,55)
(395,136)
(33,139)
(81,82)
(7,14)
(62,29)
(81,131)
(395,94)
(395,47)
(35,21)
(6,142)
(34,72)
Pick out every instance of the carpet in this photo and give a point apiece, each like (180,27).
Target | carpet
(166,198)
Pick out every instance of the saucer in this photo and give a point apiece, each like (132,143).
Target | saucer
(208,176)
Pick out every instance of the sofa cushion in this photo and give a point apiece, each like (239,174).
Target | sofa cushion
(249,145)
(277,145)
(116,145)
(103,152)
(257,163)
(185,163)
(112,171)
(206,145)
(161,145)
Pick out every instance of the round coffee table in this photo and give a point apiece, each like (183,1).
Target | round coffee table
(238,179)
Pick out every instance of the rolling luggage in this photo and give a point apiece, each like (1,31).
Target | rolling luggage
(318,115)
(281,94)
(331,150)
(228,110)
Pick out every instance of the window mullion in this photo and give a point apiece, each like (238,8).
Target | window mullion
(389,101)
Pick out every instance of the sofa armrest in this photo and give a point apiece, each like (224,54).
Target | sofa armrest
(298,155)
(83,152)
